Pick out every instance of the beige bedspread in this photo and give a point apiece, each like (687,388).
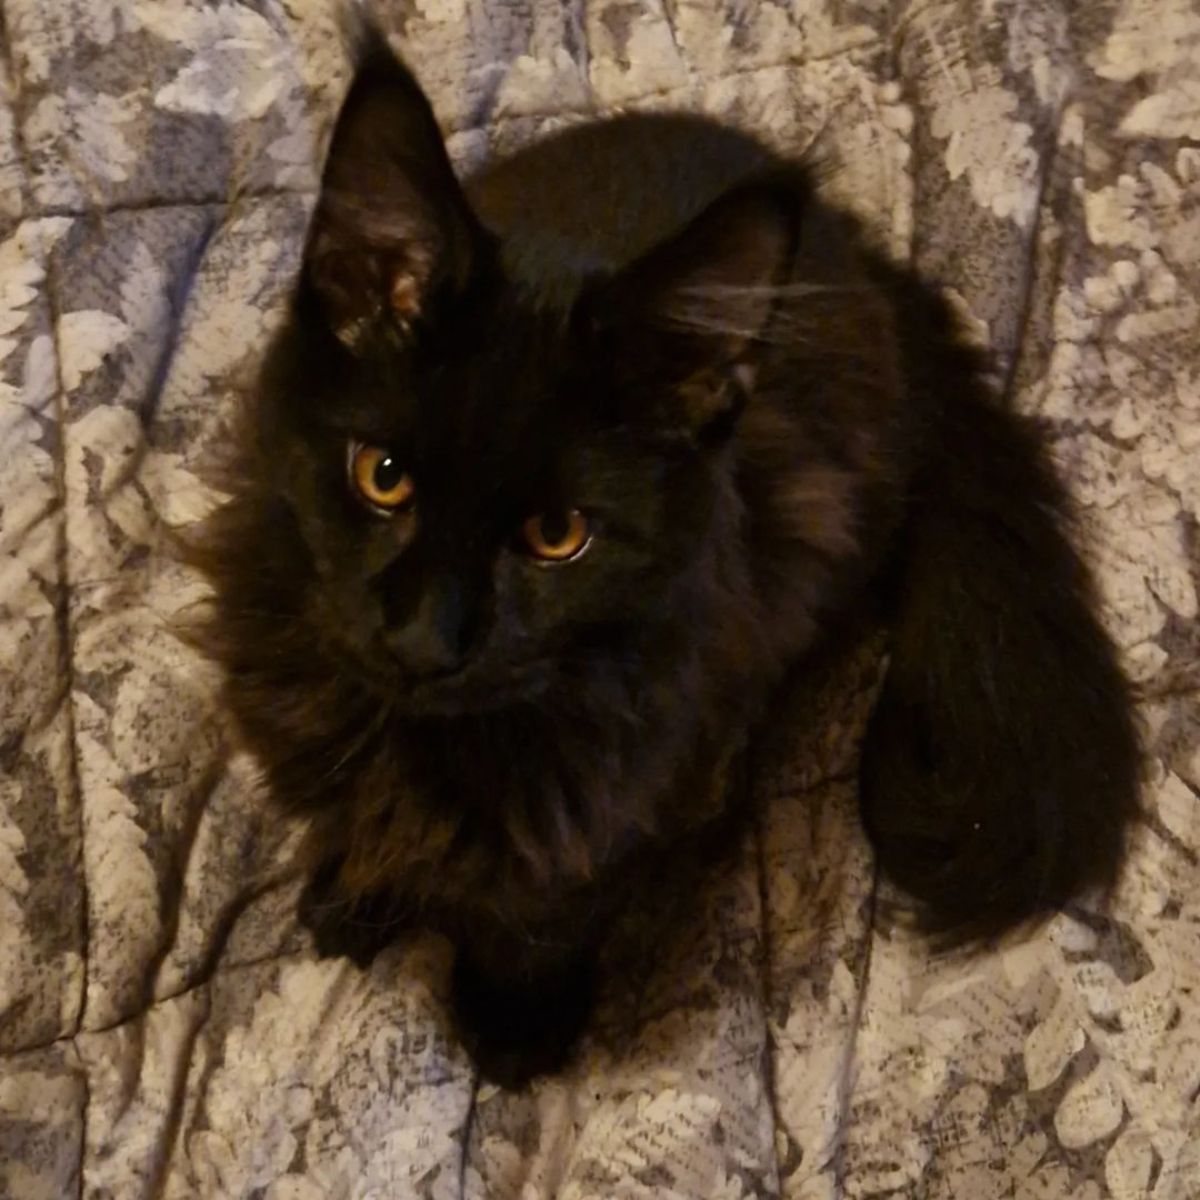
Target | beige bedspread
(164,1029)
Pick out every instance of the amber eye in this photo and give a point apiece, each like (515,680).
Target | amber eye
(379,478)
(557,537)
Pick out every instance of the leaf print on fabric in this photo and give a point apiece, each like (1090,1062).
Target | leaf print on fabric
(108,519)
(1115,217)
(12,172)
(14,887)
(1178,808)
(442,12)
(86,340)
(41,1091)
(973,110)
(125,921)
(29,569)
(1159,41)
(1148,37)
(13,881)
(1039,43)
(987,143)
(633,50)
(1139,542)
(236,300)
(1051,1045)
(361,1123)
(535,85)
(295,1187)
(101,20)
(22,271)
(144,295)
(1128,1165)
(24,581)
(1155,208)
(647,1132)
(83,137)
(271,1051)
(127,1114)
(240,65)
(764,33)
(262,76)
(1090,1110)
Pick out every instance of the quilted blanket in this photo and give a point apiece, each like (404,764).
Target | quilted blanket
(165,1028)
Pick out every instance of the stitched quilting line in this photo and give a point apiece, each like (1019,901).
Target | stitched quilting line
(226,971)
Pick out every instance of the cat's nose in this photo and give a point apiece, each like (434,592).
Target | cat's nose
(433,639)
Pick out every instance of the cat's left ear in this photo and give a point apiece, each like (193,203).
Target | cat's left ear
(687,322)
(392,231)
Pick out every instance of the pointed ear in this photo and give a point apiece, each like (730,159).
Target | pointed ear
(689,319)
(392,228)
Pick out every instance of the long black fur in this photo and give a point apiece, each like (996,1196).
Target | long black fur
(656,321)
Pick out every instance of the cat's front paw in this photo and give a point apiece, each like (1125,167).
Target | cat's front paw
(517,1029)
(340,928)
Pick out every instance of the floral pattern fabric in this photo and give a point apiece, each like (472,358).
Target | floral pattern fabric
(165,1029)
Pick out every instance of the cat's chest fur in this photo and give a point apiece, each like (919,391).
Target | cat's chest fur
(513,817)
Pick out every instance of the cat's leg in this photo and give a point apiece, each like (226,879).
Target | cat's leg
(520,1011)
(1000,770)
(342,927)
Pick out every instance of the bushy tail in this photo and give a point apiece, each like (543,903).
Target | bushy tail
(1001,767)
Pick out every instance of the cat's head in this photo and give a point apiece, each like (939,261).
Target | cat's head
(477,493)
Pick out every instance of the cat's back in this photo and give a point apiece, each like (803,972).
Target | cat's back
(594,196)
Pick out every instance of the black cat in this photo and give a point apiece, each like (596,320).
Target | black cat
(551,478)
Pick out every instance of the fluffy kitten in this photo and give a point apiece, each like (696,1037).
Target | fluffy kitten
(548,481)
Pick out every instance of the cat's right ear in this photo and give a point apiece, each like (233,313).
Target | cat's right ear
(686,323)
(392,232)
